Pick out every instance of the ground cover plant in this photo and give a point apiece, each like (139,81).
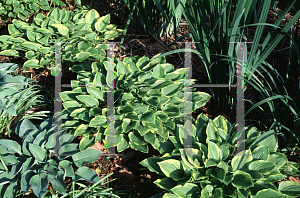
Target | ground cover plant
(149,99)
(208,170)
(17,97)
(79,33)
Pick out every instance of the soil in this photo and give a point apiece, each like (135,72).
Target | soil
(129,176)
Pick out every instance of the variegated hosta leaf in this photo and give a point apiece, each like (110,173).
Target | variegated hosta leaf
(143,97)
(212,167)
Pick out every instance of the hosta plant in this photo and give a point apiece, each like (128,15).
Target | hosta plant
(79,34)
(17,96)
(148,100)
(31,163)
(21,8)
(210,169)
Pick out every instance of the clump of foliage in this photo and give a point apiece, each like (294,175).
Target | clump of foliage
(212,168)
(32,164)
(21,8)
(79,33)
(148,99)
(17,96)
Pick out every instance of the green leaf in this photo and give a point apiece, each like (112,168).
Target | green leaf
(102,22)
(242,180)
(260,153)
(39,184)
(172,168)
(268,193)
(88,100)
(289,188)
(26,176)
(148,116)
(33,63)
(11,145)
(172,89)
(240,161)
(91,16)
(261,166)
(67,166)
(98,121)
(38,152)
(82,56)
(86,141)
(58,182)
(186,190)
(62,29)
(86,156)
(87,174)
(31,46)
(165,183)
(279,159)
(9,53)
(96,93)
(81,130)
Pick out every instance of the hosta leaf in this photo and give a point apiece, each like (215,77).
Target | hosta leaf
(98,121)
(165,183)
(88,100)
(142,148)
(72,105)
(136,138)
(102,22)
(86,141)
(172,110)
(58,182)
(139,109)
(26,176)
(214,152)
(91,16)
(38,152)
(81,130)
(86,156)
(261,166)
(9,53)
(11,145)
(124,143)
(67,166)
(39,184)
(289,188)
(242,180)
(62,29)
(96,93)
(148,116)
(279,159)
(33,63)
(31,45)
(260,153)
(241,160)
(187,190)
(268,193)
(172,89)
(87,174)
(172,168)
(82,56)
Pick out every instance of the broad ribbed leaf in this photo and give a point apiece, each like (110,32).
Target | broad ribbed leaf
(242,180)
(187,190)
(98,121)
(39,184)
(86,156)
(87,174)
(289,188)
(172,168)
(11,145)
(261,166)
(102,22)
(61,29)
(241,159)
(88,100)
(172,89)
(38,152)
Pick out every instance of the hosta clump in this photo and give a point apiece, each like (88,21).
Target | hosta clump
(79,34)
(32,164)
(21,8)
(208,169)
(148,101)
(17,96)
